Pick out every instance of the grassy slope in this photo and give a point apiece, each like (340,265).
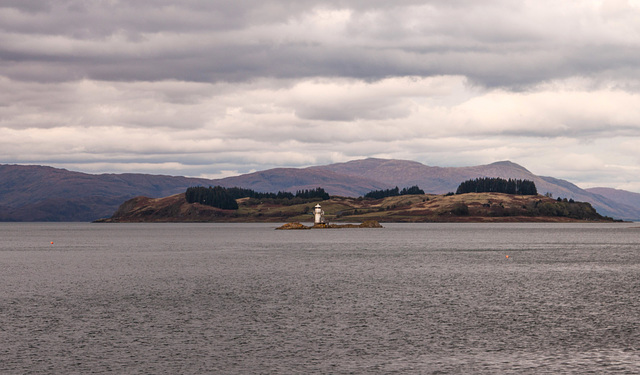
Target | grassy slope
(482,207)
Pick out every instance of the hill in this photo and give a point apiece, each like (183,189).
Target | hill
(38,193)
(621,197)
(472,207)
(293,179)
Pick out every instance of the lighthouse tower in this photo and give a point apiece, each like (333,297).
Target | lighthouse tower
(318,215)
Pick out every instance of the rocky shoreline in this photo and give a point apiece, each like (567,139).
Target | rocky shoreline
(299,226)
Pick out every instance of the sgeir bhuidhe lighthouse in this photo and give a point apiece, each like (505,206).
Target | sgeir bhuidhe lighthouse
(318,215)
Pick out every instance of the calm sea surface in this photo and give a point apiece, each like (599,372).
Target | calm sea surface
(244,298)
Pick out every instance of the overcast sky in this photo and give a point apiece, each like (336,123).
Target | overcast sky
(212,88)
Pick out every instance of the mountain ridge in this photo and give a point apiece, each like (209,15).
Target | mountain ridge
(42,193)
(617,195)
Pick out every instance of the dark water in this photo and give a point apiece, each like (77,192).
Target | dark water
(239,299)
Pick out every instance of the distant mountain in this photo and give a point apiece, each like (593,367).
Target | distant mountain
(624,197)
(36,193)
(292,179)
(437,180)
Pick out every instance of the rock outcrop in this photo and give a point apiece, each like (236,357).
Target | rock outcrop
(366,224)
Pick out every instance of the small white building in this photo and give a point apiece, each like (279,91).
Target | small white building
(318,215)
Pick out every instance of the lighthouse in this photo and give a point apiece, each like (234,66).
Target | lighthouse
(318,215)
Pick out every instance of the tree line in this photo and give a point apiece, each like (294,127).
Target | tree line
(225,198)
(379,194)
(216,196)
(498,185)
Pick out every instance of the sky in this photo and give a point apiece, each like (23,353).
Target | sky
(218,88)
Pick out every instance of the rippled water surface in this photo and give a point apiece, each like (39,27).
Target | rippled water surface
(244,298)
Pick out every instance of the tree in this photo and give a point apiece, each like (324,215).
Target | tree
(413,190)
(225,198)
(314,193)
(497,185)
(379,194)
(212,196)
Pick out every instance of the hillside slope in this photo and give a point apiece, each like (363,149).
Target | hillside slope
(39,193)
(293,179)
(472,207)
(622,197)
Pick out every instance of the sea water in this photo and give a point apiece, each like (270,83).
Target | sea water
(245,298)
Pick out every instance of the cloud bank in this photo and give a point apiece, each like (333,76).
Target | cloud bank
(203,88)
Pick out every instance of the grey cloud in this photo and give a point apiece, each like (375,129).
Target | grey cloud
(354,111)
(93,19)
(178,87)
(29,6)
(493,43)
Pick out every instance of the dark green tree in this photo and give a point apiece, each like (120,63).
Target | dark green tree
(413,190)
(212,196)
(379,194)
(497,185)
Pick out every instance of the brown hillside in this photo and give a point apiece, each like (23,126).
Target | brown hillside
(474,207)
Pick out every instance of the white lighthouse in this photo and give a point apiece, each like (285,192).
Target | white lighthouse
(318,215)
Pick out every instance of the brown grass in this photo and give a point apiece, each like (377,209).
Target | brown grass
(482,207)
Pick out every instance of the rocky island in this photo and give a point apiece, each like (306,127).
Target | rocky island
(297,226)
(467,207)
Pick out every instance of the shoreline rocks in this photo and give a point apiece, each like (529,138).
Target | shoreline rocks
(298,226)
(293,226)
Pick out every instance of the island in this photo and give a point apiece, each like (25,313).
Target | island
(393,205)
(297,226)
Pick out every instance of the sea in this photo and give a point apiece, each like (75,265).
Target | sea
(517,298)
